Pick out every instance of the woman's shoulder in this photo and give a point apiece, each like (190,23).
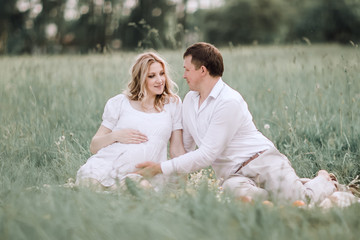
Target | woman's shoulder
(117,99)
(116,102)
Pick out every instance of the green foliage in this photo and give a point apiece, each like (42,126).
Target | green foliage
(304,98)
(148,25)
(281,21)
(84,26)
(327,20)
(244,22)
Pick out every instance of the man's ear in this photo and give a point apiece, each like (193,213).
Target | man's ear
(203,69)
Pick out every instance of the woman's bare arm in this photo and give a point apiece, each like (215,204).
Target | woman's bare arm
(104,137)
(176,144)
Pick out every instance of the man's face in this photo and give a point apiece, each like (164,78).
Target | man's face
(191,75)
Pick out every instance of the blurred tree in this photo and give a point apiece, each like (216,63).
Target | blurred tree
(13,35)
(179,34)
(49,26)
(243,21)
(7,7)
(148,25)
(96,26)
(55,26)
(328,21)
(280,21)
(90,28)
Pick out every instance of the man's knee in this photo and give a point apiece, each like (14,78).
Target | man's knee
(241,186)
(230,184)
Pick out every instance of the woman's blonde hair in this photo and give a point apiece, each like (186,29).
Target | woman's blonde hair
(136,89)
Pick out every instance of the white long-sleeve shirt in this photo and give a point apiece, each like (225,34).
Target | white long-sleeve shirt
(223,130)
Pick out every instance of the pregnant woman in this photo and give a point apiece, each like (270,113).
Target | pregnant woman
(137,126)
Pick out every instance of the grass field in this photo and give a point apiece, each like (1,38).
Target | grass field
(306,99)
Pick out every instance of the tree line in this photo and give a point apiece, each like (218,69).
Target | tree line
(83,26)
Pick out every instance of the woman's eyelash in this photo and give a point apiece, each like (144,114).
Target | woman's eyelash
(161,74)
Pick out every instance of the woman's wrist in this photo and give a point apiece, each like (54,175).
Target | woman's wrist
(113,137)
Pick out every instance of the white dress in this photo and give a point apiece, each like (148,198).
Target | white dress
(113,162)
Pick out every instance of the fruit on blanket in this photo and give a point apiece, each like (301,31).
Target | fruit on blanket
(298,203)
(268,203)
(245,199)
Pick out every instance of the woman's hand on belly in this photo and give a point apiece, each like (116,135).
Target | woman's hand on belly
(129,136)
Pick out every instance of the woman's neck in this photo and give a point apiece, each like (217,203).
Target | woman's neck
(148,102)
(147,105)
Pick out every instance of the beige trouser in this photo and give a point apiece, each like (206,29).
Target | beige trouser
(270,175)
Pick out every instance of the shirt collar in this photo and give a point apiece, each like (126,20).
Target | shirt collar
(217,88)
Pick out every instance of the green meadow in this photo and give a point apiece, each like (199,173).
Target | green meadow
(306,99)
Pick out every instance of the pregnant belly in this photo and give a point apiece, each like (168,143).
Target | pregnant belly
(152,150)
(133,154)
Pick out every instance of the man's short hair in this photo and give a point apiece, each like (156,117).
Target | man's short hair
(205,54)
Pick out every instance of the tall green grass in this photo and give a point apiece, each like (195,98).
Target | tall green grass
(306,99)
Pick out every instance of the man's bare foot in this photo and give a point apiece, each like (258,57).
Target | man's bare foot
(330,177)
(325,174)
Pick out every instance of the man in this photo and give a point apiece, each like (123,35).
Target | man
(217,120)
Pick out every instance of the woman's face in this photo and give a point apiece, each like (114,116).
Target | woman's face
(155,80)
